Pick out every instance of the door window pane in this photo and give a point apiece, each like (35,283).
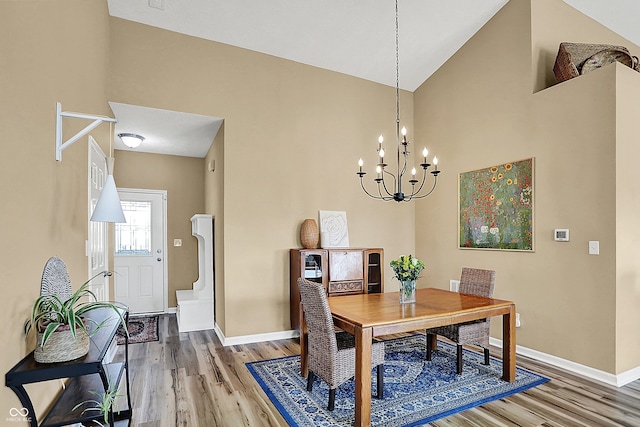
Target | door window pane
(134,236)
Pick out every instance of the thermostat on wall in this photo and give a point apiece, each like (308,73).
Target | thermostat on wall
(561,235)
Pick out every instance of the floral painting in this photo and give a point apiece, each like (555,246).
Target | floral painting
(496,207)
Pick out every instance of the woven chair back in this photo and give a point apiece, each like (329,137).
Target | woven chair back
(322,337)
(55,279)
(475,281)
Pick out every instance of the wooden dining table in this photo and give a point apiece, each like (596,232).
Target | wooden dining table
(373,315)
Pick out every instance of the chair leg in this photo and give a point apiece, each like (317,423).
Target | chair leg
(332,399)
(486,356)
(380,382)
(459,359)
(431,338)
(310,379)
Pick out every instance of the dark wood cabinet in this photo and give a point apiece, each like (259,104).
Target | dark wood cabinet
(373,270)
(342,271)
(88,374)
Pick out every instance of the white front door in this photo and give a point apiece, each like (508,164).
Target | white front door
(140,246)
(98,240)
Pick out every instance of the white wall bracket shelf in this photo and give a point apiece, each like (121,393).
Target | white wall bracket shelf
(60,145)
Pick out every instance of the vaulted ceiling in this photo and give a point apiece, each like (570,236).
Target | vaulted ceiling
(354,37)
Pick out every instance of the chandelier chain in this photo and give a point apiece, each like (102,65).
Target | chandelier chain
(397,69)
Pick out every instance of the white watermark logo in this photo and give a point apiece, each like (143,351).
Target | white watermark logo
(18,415)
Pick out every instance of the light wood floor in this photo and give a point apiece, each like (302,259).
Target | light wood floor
(190,379)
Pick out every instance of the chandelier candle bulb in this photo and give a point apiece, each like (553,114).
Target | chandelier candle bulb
(360,163)
(413,180)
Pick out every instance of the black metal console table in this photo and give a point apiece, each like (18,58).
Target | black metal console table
(87,374)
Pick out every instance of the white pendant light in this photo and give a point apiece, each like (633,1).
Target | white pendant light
(108,207)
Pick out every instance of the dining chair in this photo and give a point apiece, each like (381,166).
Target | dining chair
(473,281)
(331,355)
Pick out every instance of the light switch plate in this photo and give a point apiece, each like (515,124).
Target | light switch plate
(177,242)
(594,247)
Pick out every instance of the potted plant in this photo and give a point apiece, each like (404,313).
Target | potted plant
(102,404)
(62,330)
(407,269)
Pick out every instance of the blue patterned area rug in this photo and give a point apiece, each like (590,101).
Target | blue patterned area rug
(416,392)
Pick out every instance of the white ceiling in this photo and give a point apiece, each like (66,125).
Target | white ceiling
(165,132)
(354,37)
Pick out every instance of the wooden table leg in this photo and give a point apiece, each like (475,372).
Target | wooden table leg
(363,376)
(509,345)
(434,341)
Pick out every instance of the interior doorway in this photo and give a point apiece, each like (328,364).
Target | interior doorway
(140,266)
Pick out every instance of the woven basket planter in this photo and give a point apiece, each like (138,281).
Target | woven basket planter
(61,346)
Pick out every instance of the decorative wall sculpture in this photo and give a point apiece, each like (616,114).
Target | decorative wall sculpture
(333,229)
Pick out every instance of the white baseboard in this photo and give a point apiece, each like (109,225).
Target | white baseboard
(248,339)
(245,339)
(586,371)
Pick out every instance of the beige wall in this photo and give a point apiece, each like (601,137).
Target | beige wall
(627,209)
(289,147)
(183,179)
(49,53)
(480,109)
(214,204)
(292,137)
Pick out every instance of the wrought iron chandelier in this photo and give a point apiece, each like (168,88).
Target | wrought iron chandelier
(391,188)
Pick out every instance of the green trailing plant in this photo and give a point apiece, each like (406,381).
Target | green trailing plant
(50,313)
(102,404)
